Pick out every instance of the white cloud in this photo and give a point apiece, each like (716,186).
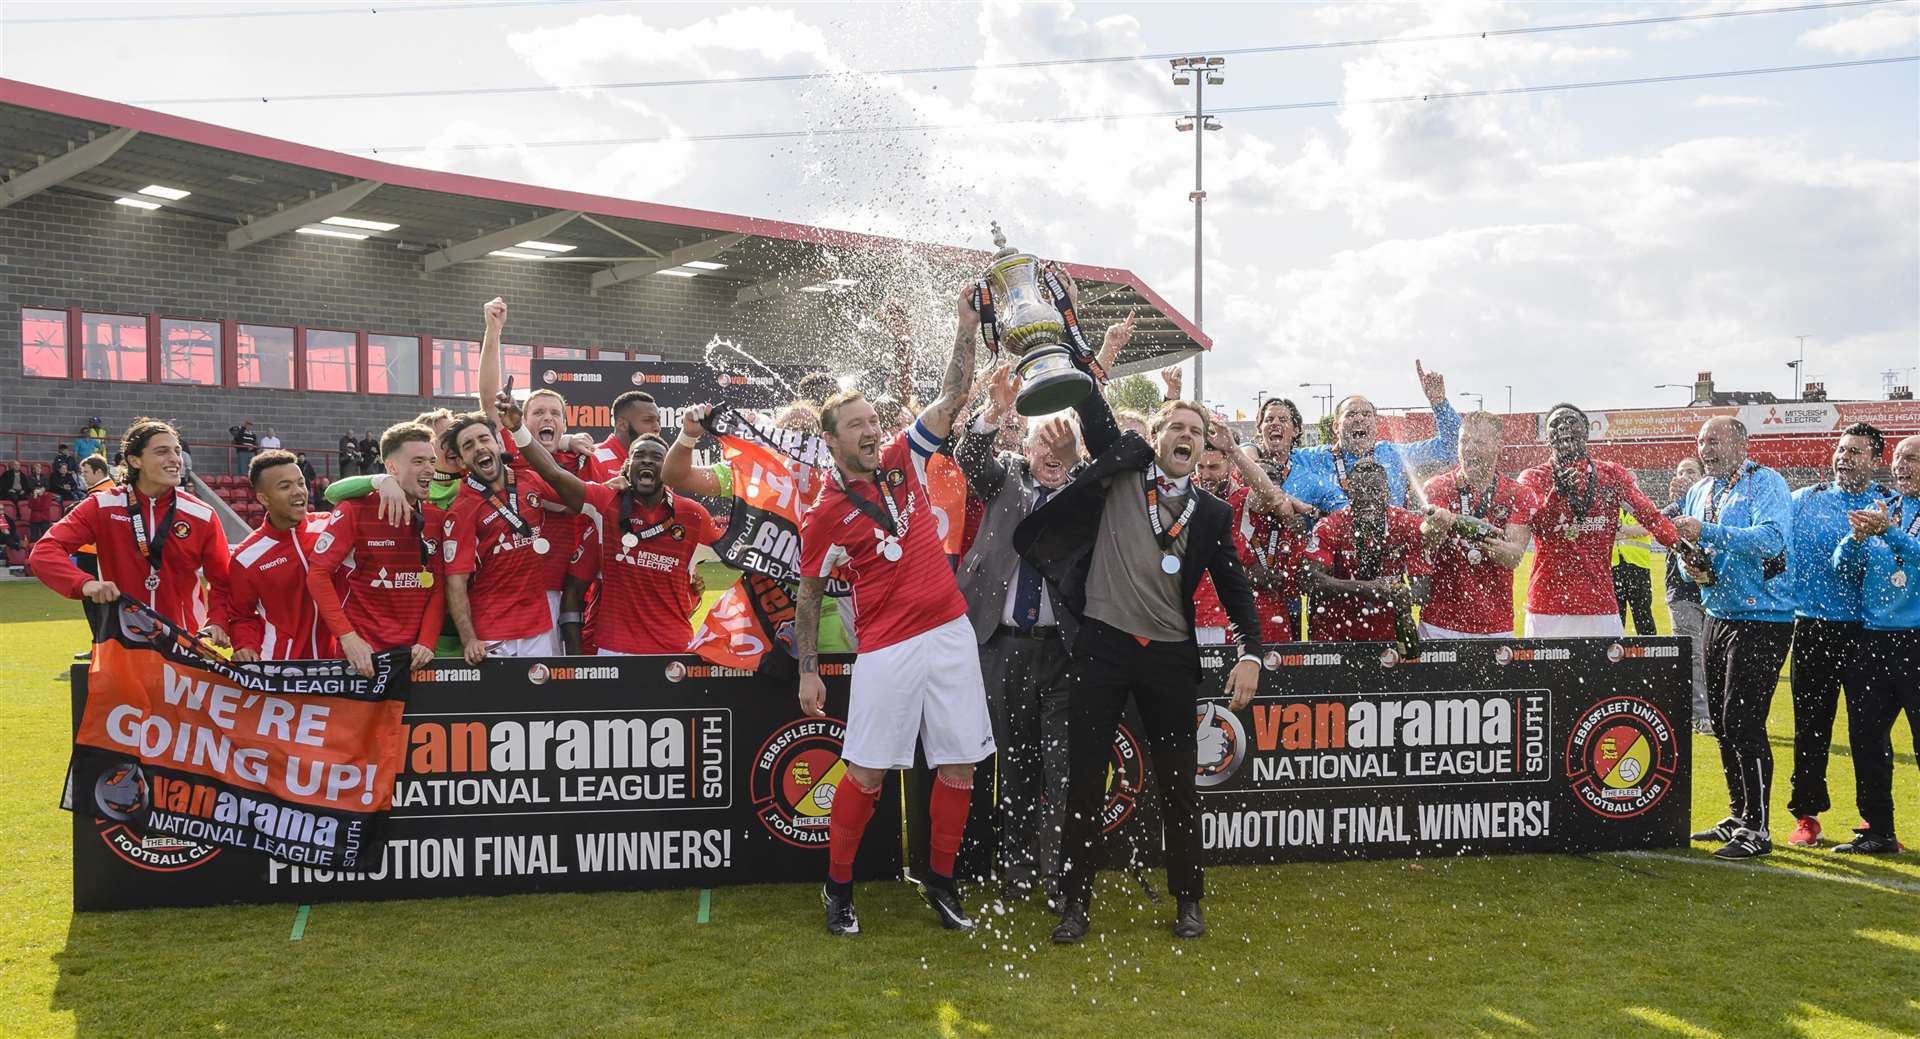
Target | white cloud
(1734,101)
(1882,29)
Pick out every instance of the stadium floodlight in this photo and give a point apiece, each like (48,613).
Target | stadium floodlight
(136,203)
(328,232)
(1211,123)
(365,225)
(1183,124)
(678,272)
(162,191)
(547,247)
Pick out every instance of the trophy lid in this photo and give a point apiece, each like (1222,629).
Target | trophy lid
(1000,243)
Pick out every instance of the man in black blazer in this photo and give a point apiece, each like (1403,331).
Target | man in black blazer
(1123,548)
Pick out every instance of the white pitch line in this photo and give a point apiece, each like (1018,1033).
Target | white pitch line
(1902,886)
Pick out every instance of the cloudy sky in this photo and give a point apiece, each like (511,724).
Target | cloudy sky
(1582,244)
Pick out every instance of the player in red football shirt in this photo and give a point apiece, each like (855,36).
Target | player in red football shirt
(635,415)
(495,542)
(273,612)
(1473,576)
(918,671)
(1571,592)
(154,540)
(1365,563)
(394,596)
(643,539)
(1270,529)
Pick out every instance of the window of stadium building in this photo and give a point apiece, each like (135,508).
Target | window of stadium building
(113,347)
(43,343)
(518,361)
(190,352)
(263,356)
(564,352)
(455,365)
(330,360)
(393,365)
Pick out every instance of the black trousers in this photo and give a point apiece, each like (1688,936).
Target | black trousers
(1821,653)
(1743,666)
(1106,667)
(1884,680)
(1028,703)
(1633,591)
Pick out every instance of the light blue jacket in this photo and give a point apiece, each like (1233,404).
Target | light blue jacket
(1819,522)
(1321,477)
(1889,603)
(1756,514)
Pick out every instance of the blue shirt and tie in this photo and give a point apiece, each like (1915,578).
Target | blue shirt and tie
(1028,604)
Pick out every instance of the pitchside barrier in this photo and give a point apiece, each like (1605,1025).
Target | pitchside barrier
(627,773)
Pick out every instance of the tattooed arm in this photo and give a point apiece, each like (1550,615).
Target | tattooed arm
(938,417)
(806,639)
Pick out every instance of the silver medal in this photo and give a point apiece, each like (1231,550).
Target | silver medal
(1475,556)
(630,539)
(153,582)
(1899,579)
(1170,564)
(541,546)
(891,551)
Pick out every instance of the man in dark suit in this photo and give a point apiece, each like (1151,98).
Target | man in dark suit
(1022,652)
(1123,548)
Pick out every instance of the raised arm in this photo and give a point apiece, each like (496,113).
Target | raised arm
(976,454)
(568,486)
(1444,446)
(679,472)
(495,312)
(958,378)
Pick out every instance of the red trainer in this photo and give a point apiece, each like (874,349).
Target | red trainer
(1807,834)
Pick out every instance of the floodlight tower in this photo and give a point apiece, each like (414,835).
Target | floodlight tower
(1200,73)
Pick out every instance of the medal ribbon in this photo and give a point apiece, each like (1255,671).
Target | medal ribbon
(150,546)
(1479,507)
(419,538)
(1163,534)
(1718,499)
(508,510)
(626,517)
(1578,504)
(890,521)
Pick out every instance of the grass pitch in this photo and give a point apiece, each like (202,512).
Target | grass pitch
(1802,944)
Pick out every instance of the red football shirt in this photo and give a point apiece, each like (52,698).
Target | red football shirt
(387,600)
(561,528)
(893,599)
(190,543)
(507,592)
(1354,618)
(273,612)
(1573,576)
(645,602)
(1260,538)
(1476,598)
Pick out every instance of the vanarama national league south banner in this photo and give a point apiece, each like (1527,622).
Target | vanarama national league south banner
(295,761)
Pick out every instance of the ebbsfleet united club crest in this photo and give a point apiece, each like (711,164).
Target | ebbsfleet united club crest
(121,794)
(1621,757)
(795,775)
(1126,779)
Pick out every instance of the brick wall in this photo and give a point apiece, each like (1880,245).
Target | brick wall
(61,250)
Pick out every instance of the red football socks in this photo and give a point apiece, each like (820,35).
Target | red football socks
(852,807)
(948,810)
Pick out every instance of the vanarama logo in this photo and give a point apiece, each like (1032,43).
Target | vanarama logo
(1510,655)
(795,775)
(1276,660)
(540,674)
(679,671)
(550,376)
(1617,652)
(1621,757)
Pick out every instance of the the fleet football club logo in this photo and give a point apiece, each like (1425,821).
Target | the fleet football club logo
(1221,742)
(121,795)
(1126,779)
(182,530)
(1621,757)
(795,775)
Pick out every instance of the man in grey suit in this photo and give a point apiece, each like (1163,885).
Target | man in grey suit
(1022,653)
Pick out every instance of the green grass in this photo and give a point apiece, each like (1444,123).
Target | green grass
(1495,946)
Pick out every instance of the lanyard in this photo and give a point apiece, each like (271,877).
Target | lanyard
(1162,533)
(628,536)
(890,521)
(1274,533)
(420,539)
(509,509)
(1478,507)
(1340,468)
(1717,500)
(1578,504)
(150,543)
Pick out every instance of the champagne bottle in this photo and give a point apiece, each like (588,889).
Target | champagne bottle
(1406,634)
(1469,528)
(1698,560)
